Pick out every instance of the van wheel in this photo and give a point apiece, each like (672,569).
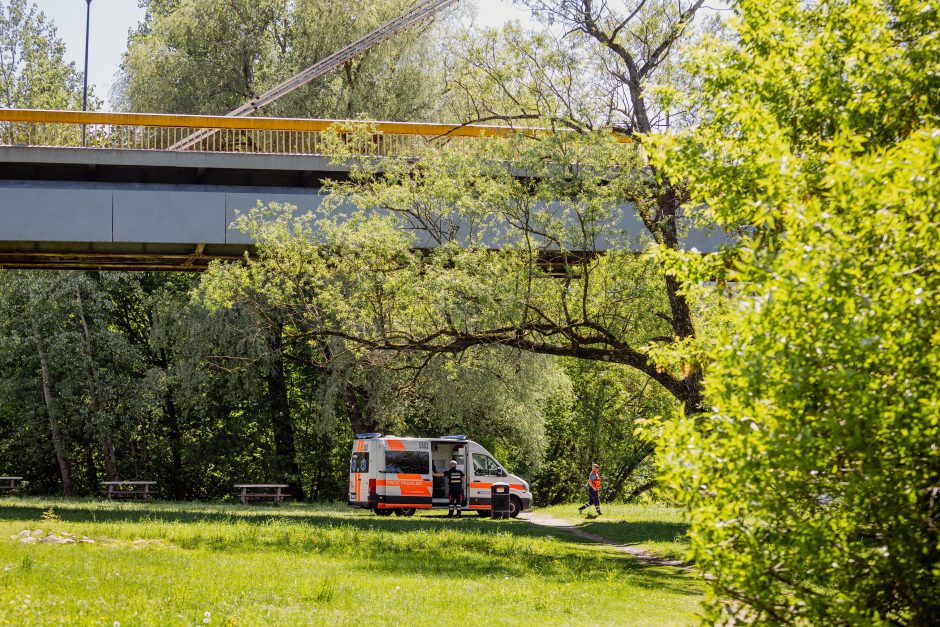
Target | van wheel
(405,511)
(515,506)
(382,512)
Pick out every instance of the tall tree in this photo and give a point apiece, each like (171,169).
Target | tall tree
(567,282)
(49,396)
(94,397)
(813,481)
(210,56)
(591,70)
(33,70)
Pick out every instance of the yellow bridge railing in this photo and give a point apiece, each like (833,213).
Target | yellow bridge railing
(157,131)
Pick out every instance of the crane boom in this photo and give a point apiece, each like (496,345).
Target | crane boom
(421,11)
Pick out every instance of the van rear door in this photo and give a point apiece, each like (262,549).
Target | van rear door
(359,471)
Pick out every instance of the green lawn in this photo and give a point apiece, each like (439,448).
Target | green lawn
(184,563)
(654,528)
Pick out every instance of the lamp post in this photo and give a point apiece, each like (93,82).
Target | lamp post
(85,92)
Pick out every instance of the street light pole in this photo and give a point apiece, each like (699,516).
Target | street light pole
(85,92)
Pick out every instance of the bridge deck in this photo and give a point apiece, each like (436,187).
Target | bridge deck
(112,191)
(129,199)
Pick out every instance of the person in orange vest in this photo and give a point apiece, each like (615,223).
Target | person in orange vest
(594,490)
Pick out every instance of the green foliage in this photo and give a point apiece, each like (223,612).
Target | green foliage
(460,202)
(183,396)
(497,396)
(813,481)
(604,420)
(33,71)
(211,56)
(217,564)
(395,288)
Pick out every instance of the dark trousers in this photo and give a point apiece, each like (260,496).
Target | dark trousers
(593,499)
(456,498)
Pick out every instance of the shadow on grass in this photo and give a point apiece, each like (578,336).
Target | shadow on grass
(637,532)
(92,511)
(429,544)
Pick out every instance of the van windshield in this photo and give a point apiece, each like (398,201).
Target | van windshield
(484,465)
(407,462)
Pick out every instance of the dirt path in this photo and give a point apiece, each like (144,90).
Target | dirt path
(646,557)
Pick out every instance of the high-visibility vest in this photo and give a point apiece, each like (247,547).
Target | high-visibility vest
(596,481)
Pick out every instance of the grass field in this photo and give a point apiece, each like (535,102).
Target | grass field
(655,528)
(184,564)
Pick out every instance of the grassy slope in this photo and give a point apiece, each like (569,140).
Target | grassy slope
(655,528)
(307,564)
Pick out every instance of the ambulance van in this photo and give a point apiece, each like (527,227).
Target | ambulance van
(391,474)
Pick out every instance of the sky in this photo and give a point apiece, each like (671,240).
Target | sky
(111,20)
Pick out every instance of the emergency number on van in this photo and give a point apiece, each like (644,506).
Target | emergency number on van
(391,474)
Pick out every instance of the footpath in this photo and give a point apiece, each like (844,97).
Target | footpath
(543,520)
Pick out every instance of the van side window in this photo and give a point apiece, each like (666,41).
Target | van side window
(359,462)
(484,465)
(407,462)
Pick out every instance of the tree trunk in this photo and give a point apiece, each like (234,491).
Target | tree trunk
(176,446)
(355,409)
(91,473)
(58,442)
(91,378)
(626,471)
(640,489)
(285,451)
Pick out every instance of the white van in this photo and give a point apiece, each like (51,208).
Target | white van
(391,474)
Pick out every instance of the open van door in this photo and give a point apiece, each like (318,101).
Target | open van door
(360,465)
(483,472)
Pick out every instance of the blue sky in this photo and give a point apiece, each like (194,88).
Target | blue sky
(112,19)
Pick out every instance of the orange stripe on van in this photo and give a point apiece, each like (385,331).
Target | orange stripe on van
(395,445)
(401,505)
(409,485)
(359,444)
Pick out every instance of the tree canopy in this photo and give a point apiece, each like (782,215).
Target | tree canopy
(33,70)
(813,480)
(210,56)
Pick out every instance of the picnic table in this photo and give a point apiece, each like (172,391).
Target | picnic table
(261,491)
(129,489)
(8,484)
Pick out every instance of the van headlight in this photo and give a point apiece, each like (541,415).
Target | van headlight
(525,486)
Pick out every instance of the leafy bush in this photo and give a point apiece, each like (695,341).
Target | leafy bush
(814,482)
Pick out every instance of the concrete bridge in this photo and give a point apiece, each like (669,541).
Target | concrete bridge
(126,200)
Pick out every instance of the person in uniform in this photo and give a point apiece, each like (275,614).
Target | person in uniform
(594,490)
(453,477)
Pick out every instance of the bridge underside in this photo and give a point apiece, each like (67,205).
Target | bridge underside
(73,208)
(120,209)
(114,256)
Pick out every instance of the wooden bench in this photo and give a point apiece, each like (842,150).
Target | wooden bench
(129,489)
(261,491)
(8,484)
